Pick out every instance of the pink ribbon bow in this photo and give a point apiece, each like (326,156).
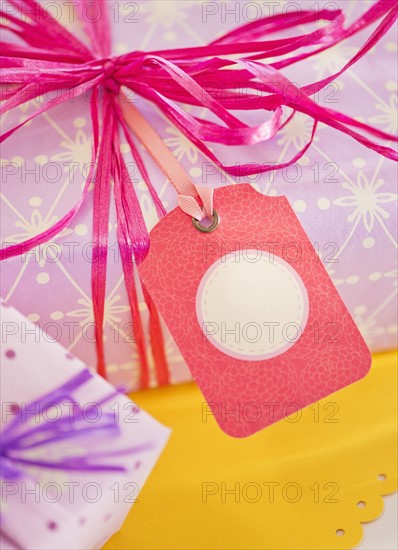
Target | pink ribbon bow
(51,59)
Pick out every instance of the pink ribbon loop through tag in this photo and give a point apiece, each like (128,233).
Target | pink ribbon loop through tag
(188,192)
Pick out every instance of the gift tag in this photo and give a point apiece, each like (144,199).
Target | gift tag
(252,310)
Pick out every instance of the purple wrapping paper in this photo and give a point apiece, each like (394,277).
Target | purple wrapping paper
(344,195)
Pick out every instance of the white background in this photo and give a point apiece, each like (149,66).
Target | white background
(382,534)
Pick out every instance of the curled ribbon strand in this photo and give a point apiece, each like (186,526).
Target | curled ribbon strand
(48,58)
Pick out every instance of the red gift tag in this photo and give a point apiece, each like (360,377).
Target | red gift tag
(252,310)
(248,301)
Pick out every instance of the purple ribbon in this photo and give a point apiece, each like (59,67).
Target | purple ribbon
(18,437)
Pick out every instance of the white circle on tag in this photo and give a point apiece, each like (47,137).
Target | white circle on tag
(252,305)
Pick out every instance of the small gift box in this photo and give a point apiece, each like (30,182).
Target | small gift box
(342,191)
(75,453)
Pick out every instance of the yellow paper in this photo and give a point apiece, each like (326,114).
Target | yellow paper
(292,486)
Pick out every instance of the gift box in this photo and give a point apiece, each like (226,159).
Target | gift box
(75,453)
(343,193)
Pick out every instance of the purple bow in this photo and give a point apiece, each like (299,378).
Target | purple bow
(18,437)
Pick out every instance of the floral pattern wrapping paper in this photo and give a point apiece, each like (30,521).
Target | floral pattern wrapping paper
(344,195)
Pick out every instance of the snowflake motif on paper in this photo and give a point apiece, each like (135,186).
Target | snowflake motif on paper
(111,313)
(32,228)
(78,152)
(180,145)
(164,13)
(36,103)
(132,367)
(392,275)
(147,206)
(332,60)
(389,117)
(68,17)
(149,211)
(368,328)
(19,161)
(338,282)
(366,201)
(297,131)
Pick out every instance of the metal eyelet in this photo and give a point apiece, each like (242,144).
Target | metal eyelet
(215,223)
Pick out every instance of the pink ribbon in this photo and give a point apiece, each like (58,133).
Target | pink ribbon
(51,59)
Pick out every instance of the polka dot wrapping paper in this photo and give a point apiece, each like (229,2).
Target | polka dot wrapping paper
(344,194)
(74,457)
